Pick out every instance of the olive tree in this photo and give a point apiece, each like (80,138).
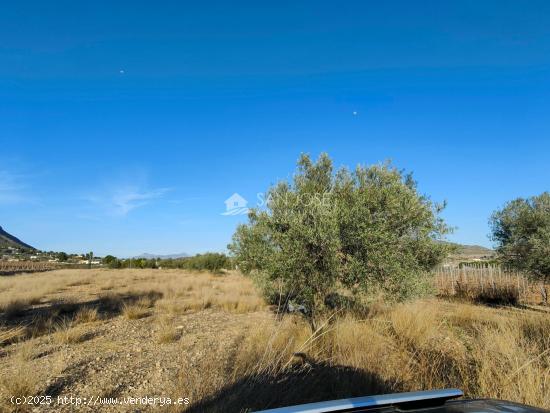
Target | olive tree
(365,231)
(521,231)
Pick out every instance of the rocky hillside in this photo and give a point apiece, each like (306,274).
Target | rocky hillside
(468,252)
(7,240)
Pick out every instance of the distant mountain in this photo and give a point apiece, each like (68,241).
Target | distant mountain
(475,250)
(162,257)
(8,240)
(471,251)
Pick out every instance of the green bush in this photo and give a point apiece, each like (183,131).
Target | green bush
(111,261)
(368,231)
(521,230)
(210,261)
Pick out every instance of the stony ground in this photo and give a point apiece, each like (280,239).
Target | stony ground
(122,357)
(110,335)
(116,356)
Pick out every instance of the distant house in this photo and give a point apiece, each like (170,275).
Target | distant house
(235,201)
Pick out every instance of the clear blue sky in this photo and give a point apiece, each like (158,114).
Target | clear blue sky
(125,125)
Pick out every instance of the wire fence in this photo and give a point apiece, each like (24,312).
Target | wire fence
(14,267)
(471,281)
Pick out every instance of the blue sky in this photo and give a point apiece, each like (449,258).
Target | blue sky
(124,127)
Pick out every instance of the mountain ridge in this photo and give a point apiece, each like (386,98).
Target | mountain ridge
(161,256)
(470,250)
(7,240)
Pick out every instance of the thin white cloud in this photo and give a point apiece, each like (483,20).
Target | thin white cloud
(122,200)
(127,199)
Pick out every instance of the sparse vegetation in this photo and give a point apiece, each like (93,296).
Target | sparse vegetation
(211,261)
(167,332)
(490,284)
(136,310)
(86,315)
(67,333)
(20,383)
(222,347)
(420,345)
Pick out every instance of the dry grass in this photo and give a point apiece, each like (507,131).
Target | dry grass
(14,308)
(19,383)
(136,310)
(190,291)
(32,305)
(25,352)
(86,315)
(67,333)
(11,335)
(490,285)
(167,331)
(487,352)
(22,379)
(63,309)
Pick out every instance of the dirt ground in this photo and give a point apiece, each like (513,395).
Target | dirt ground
(129,340)
(117,354)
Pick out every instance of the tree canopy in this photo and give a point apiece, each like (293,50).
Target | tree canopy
(367,231)
(521,230)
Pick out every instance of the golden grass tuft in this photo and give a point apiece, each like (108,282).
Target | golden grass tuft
(25,351)
(136,310)
(19,383)
(86,315)
(12,335)
(270,347)
(167,332)
(171,306)
(415,325)
(66,333)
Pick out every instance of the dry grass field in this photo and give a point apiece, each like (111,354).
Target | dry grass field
(211,338)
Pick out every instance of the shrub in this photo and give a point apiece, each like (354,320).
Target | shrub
(111,261)
(522,232)
(368,230)
(210,261)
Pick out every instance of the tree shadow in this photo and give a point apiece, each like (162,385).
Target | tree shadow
(42,319)
(312,383)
